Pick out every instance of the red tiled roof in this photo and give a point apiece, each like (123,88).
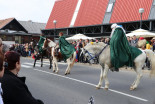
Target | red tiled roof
(5,22)
(91,12)
(128,10)
(63,11)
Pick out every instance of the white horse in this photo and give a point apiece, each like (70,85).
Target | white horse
(70,60)
(102,51)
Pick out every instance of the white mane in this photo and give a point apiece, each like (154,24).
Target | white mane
(95,45)
(51,44)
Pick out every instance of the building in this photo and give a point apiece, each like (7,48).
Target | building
(20,31)
(33,28)
(94,17)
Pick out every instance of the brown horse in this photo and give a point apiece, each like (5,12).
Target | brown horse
(70,60)
(40,55)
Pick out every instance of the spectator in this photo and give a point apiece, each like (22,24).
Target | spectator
(148,45)
(14,88)
(134,41)
(154,44)
(102,39)
(128,38)
(87,41)
(27,49)
(107,41)
(1,68)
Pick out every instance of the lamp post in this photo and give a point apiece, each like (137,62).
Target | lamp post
(55,22)
(141,11)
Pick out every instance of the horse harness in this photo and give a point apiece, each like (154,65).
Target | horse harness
(96,55)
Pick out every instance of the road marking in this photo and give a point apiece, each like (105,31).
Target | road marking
(45,63)
(25,66)
(37,64)
(118,92)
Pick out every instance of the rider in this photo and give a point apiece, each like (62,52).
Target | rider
(120,51)
(66,48)
(41,42)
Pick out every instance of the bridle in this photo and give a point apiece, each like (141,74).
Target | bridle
(95,55)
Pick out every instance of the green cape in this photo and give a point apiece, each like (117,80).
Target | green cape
(41,42)
(66,48)
(120,51)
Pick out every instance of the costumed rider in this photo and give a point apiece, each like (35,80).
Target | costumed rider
(66,48)
(121,53)
(41,42)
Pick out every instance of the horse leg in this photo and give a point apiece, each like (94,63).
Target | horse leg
(53,64)
(138,77)
(56,65)
(34,62)
(72,61)
(41,60)
(101,78)
(68,67)
(104,71)
(50,62)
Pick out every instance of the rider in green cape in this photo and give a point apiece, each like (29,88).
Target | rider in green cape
(41,42)
(66,48)
(120,51)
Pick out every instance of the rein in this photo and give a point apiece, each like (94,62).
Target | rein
(90,54)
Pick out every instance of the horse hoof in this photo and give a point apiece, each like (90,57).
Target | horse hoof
(98,87)
(57,72)
(132,88)
(53,71)
(65,73)
(106,89)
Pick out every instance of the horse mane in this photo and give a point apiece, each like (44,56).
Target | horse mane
(49,43)
(141,43)
(95,44)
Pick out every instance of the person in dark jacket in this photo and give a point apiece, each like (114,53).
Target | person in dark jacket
(14,88)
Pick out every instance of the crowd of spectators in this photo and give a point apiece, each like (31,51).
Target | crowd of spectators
(150,42)
(25,50)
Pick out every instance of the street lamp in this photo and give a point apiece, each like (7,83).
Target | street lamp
(141,11)
(55,22)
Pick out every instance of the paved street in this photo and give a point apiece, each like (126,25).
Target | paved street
(79,86)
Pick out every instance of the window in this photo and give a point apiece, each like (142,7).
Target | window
(110,6)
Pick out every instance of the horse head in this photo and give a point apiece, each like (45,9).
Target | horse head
(93,50)
(87,55)
(45,45)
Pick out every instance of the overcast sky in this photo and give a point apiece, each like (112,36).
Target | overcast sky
(35,10)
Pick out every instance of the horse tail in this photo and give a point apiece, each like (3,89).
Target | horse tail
(74,57)
(151,56)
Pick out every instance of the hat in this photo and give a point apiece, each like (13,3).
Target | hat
(141,38)
(113,25)
(153,38)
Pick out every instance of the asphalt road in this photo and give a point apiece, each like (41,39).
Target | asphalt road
(79,86)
